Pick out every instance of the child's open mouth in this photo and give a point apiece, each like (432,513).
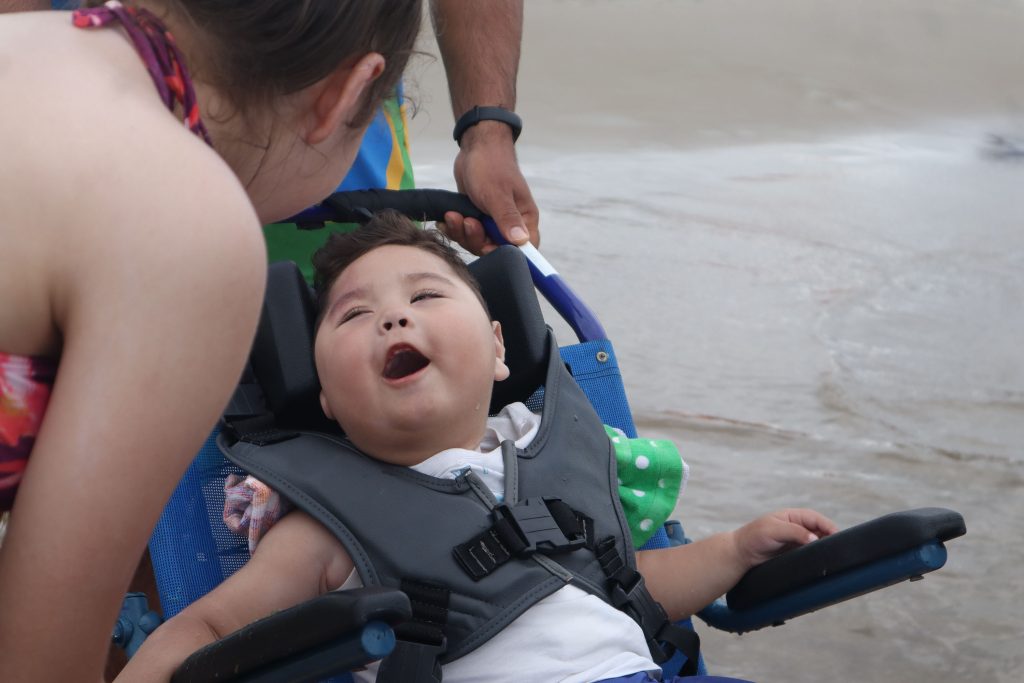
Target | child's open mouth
(403,360)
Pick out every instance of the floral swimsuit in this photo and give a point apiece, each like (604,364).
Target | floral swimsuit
(25,381)
(25,384)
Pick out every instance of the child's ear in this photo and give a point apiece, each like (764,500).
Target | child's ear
(338,95)
(501,370)
(324,406)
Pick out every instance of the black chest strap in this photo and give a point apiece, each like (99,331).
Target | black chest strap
(535,525)
(549,526)
(421,641)
(629,593)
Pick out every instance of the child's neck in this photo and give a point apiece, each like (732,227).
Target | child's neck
(408,449)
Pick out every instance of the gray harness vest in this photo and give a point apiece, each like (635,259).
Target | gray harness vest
(399,524)
(492,562)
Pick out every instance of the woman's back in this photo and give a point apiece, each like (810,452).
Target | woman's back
(91,156)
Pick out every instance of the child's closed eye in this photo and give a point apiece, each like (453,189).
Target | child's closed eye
(352,313)
(426,294)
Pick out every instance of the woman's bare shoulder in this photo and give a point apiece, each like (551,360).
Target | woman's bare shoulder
(91,140)
(102,186)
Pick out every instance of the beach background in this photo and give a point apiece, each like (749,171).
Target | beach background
(802,224)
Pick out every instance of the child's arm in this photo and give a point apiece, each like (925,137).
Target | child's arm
(297,560)
(687,578)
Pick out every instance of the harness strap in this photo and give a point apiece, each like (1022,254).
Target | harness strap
(420,642)
(536,525)
(259,430)
(629,593)
(247,400)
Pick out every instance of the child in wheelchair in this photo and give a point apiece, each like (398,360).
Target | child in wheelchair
(514,520)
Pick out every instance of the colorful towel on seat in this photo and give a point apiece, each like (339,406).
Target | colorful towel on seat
(251,507)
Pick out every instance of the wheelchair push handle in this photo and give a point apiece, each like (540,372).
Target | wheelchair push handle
(419,205)
(358,206)
(431,205)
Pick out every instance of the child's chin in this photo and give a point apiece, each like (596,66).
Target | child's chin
(415,413)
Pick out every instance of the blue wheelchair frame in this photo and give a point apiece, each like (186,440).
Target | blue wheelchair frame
(192,551)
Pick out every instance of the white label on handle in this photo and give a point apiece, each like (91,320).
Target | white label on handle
(541,263)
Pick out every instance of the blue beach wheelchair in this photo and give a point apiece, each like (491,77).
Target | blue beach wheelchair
(192,551)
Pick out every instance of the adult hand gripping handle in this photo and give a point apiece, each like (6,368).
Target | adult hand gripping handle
(431,205)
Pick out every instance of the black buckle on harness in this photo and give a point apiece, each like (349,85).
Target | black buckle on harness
(535,528)
(536,525)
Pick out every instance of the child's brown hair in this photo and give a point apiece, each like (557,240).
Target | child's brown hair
(385,228)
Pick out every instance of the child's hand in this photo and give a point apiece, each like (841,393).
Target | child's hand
(773,534)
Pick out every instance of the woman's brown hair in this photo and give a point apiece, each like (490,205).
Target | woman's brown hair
(258,50)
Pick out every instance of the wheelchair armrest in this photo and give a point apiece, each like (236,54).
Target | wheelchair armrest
(853,547)
(330,634)
(858,560)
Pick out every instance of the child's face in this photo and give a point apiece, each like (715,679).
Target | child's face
(407,356)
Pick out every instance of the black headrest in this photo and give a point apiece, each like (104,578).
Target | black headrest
(505,283)
(282,354)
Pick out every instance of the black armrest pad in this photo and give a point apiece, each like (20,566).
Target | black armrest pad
(850,548)
(323,619)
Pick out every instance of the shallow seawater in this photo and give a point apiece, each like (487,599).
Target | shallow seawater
(835,325)
(802,224)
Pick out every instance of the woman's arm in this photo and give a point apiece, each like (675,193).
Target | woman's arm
(155,276)
(23,5)
(687,578)
(297,560)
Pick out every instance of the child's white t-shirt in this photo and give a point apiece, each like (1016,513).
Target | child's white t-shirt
(569,636)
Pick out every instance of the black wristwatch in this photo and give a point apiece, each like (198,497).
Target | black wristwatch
(478,114)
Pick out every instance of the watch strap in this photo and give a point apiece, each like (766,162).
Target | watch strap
(478,114)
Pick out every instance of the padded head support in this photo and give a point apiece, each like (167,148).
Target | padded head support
(507,287)
(282,354)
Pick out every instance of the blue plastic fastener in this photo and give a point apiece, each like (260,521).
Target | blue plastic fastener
(378,639)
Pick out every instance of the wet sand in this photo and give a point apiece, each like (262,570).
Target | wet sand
(802,224)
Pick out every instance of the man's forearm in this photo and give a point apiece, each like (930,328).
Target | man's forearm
(479,42)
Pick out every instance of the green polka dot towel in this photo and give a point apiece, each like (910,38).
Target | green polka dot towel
(652,474)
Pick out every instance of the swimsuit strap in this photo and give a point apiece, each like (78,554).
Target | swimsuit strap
(159,52)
